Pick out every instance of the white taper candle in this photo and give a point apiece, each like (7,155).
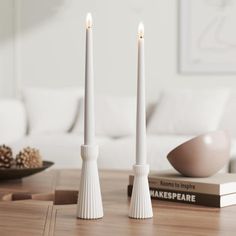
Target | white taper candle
(141,111)
(89,123)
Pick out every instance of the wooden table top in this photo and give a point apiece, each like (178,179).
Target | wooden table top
(31,217)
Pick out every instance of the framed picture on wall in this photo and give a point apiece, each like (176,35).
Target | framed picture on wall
(207,36)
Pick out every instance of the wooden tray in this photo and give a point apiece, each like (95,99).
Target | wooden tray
(17,173)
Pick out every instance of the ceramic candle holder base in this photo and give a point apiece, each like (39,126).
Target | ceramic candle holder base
(89,200)
(141,205)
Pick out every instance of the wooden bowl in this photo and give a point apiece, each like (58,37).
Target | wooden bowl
(201,156)
(18,173)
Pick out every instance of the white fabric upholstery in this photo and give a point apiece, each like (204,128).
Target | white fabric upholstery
(120,153)
(51,110)
(228,121)
(12,120)
(114,116)
(188,112)
(62,149)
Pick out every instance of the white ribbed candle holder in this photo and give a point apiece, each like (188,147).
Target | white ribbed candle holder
(141,205)
(89,200)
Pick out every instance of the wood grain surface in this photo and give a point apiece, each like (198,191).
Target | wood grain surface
(31,217)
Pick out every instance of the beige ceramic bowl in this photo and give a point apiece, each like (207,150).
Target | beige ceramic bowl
(201,156)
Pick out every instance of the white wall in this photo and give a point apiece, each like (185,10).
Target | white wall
(49,47)
(6,48)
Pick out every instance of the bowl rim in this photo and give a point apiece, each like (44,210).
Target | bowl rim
(197,137)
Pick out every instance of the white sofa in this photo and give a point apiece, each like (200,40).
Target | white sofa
(21,127)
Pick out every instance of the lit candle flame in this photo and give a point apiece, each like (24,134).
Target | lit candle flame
(89,20)
(141,30)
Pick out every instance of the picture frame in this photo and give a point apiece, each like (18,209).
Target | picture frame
(207,44)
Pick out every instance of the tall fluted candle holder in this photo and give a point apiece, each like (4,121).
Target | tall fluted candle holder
(141,206)
(89,199)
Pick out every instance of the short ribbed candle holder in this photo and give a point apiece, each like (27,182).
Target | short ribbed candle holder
(89,200)
(141,205)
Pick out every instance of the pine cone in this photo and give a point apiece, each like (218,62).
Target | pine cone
(29,158)
(6,156)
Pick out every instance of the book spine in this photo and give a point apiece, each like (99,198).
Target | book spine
(202,199)
(175,185)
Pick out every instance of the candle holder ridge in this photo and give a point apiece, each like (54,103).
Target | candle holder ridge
(140,206)
(89,204)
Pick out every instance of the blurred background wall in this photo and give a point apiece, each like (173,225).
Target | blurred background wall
(42,44)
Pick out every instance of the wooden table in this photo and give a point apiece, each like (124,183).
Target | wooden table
(43,218)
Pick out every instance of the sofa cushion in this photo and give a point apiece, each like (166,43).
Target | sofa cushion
(114,116)
(228,121)
(120,153)
(62,149)
(51,110)
(188,112)
(12,120)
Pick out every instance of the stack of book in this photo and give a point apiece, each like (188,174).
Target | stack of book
(215,191)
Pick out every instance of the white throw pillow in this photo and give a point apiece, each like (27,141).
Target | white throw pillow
(114,116)
(51,110)
(12,120)
(188,112)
